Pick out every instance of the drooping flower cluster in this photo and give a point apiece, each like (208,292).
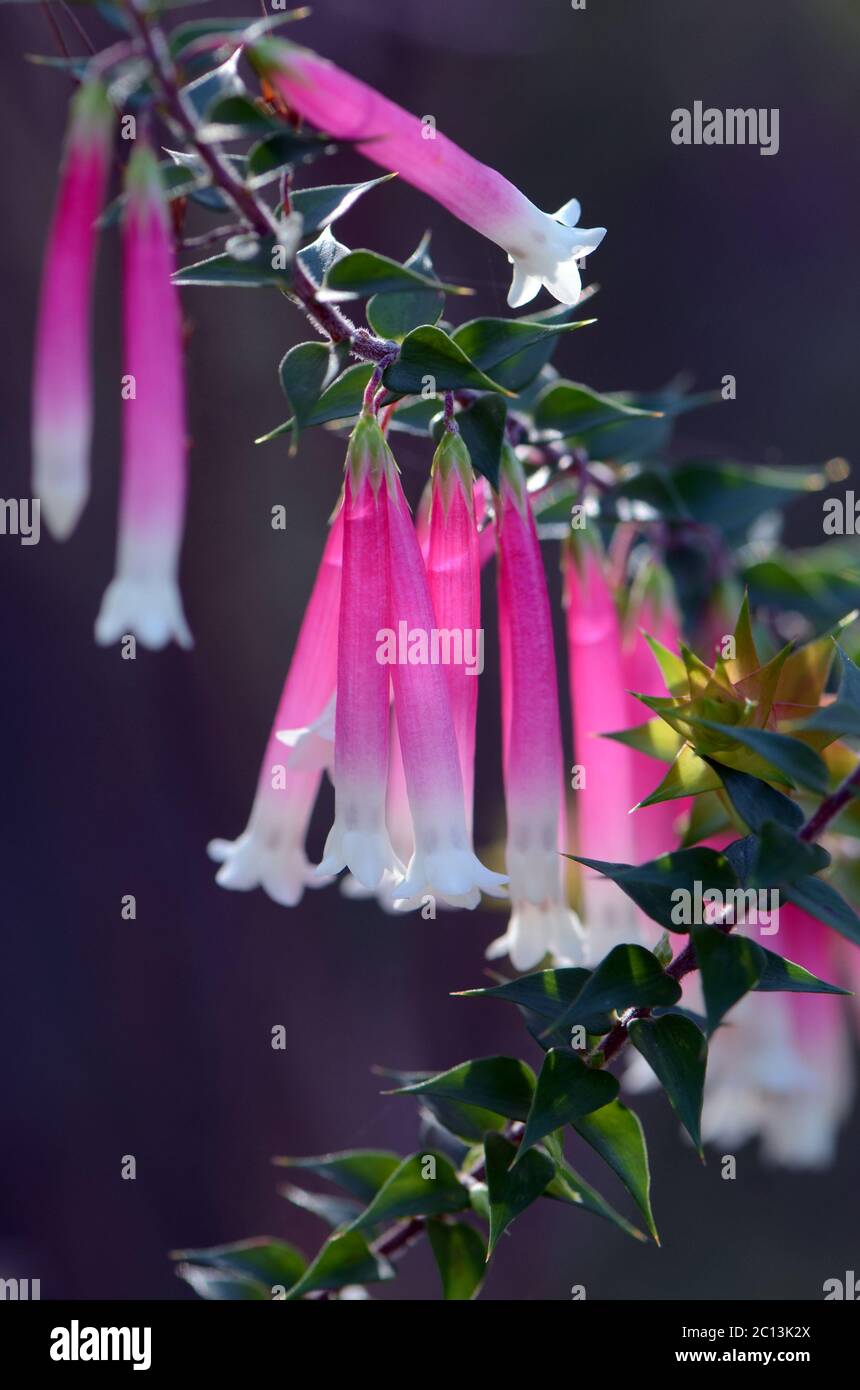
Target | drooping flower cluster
(143,599)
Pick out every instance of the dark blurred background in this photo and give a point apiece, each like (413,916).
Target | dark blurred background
(152,1037)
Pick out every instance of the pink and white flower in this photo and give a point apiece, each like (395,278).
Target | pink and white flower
(62,375)
(544,248)
(604,826)
(443,862)
(143,598)
(541,920)
(359,839)
(270,852)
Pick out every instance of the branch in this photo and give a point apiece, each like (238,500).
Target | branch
(259,217)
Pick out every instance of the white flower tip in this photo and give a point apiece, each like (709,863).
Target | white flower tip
(538,930)
(61,506)
(280,867)
(148,609)
(553,257)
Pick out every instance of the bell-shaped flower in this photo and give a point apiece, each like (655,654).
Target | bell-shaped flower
(781,1069)
(359,839)
(443,862)
(62,375)
(143,598)
(602,776)
(270,852)
(532,756)
(544,248)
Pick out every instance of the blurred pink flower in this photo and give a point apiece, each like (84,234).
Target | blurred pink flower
(143,598)
(62,374)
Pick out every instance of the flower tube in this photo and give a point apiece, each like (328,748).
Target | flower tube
(270,851)
(143,598)
(543,248)
(604,798)
(532,758)
(358,839)
(62,375)
(443,862)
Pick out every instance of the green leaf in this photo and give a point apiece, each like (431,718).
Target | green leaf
(795,760)
(756,801)
(395,315)
(567,1088)
(346,1258)
(428,352)
(842,716)
(567,1186)
(653,884)
(677,1052)
(283,150)
(571,409)
(334,1211)
(213,86)
(262,1259)
(546,994)
(512,1188)
(255,271)
(654,738)
(340,401)
(217,1285)
(616,1134)
(482,425)
(501,1084)
(821,900)
(235,117)
(408,1192)
(460,1258)
(361,1172)
(689,775)
(490,342)
(320,207)
(784,975)
(304,373)
(730,967)
(628,977)
(365,272)
(782,858)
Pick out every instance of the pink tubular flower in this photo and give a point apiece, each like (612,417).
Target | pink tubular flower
(781,1067)
(358,839)
(143,598)
(541,920)
(62,385)
(270,852)
(443,863)
(543,248)
(604,798)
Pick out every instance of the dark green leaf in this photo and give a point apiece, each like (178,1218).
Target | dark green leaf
(501,1084)
(482,425)
(616,1134)
(842,716)
(730,966)
(334,1211)
(361,1172)
(546,994)
(267,1261)
(408,1192)
(782,974)
(568,408)
(366,272)
(460,1258)
(320,207)
(234,118)
(821,900)
(512,1189)
(491,342)
(304,373)
(217,1285)
(677,1052)
(340,401)
(567,1088)
(795,760)
(568,1186)
(628,977)
(346,1258)
(783,858)
(756,801)
(653,885)
(283,150)
(430,359)
(254,271)
(221,82)
(395,315)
